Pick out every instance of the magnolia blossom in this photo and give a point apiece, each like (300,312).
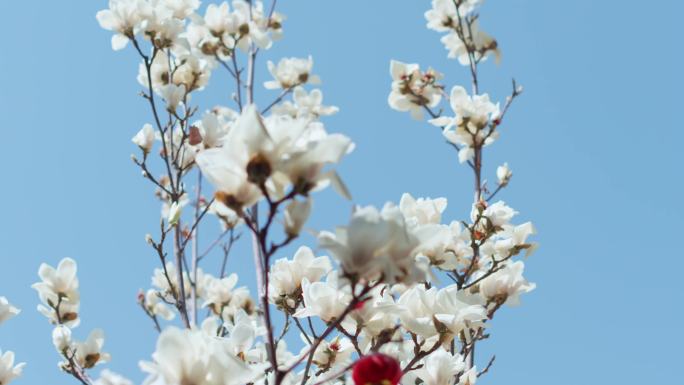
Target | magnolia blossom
(272,154)
(505,285)
(428,312)
(8,370)
(286,276)
(305,105)
(504,174)
(7,311)
(482,45)
(291,72)
(467,128)
(61,338)
(422,211)
(193,357)
(89,353)
(413,90)
(296,214)
(375,316)
(166,280)
(212,130)
(123,18)
(58,290)
(145,138)
(220,292)
(443,15)
(155,306)
(333,354)
(325,300)
(376,244)
(108,377)
(440,368)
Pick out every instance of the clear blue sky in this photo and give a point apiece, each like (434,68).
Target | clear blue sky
(595,145)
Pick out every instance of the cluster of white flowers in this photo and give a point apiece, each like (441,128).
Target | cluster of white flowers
(58,292)
(464,41)
(376,307)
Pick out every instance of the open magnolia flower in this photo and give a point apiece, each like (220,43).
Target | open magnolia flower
(193,357)
(291,72)
(7,311)
(412,89)
(286,277)
(305,105)
(8,370)
(375,245)
(270,154)
(89,353)
(58,291)
(468,128)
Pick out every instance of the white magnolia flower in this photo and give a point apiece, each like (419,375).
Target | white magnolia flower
(305,105)
(413,90)
(161,282)
(374,316)
(212,129)
(428,312)
(375,244)
(504,174)
(180,9)
(286,276)
(498,214)
(61,338)
(108,377)
(9,371)
(145,138)
(173,96)
(58,290)
(194,357)
(219,292)
(123,18)
(291,72)
(467,128)
(159,24)
(332,354)
(505,285)
(7,311)
(308,154)
(175,211)
(89,353)
(296,214)
(446,247)
(484,45)
(157,307)
(443,16)
(325,300)
(440,368)
(422,211)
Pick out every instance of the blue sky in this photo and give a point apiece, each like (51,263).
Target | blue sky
(594,144)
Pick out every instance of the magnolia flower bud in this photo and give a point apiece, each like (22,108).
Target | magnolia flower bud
(148,239)
(144,138)
(175,212)
(504,174)
(61,338)
(296,213)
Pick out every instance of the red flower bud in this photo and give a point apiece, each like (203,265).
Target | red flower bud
(376,369)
